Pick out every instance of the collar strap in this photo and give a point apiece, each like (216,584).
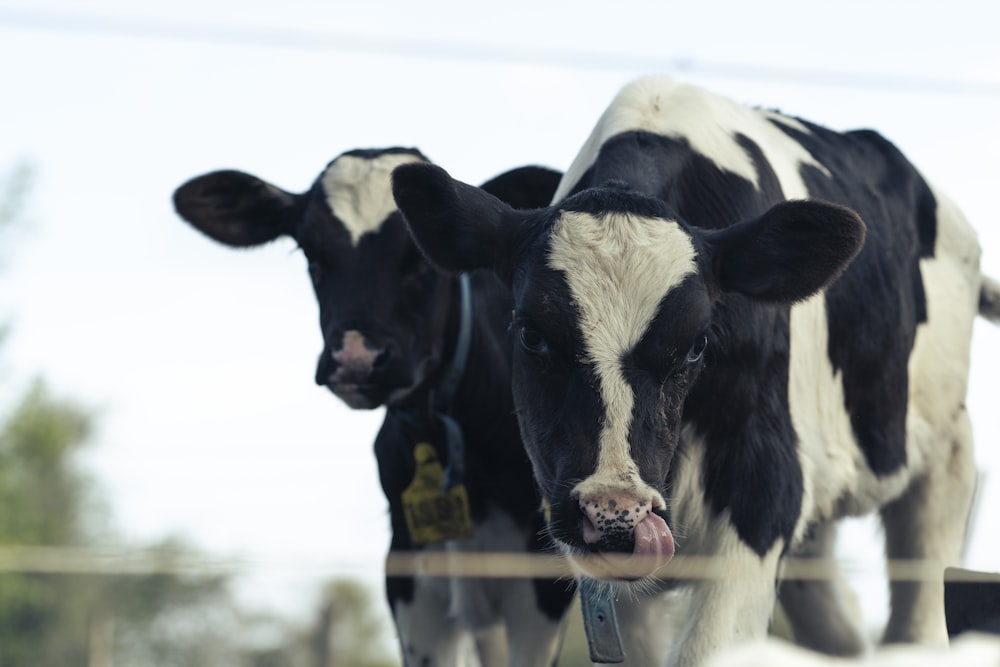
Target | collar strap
(460,358)
(600,623)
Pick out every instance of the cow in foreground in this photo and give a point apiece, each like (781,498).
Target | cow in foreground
(397,334)
(712,359)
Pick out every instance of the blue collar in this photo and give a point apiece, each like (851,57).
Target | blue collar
(445,390)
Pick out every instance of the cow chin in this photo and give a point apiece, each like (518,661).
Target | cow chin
(352,396)
(614,567)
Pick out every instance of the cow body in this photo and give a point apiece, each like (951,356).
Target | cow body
(392,326)
(708,365)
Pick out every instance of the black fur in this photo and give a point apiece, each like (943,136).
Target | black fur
(385,288)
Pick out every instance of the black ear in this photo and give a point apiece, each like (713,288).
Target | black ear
(236,209)
(458,226)
(524,187)
(789,253)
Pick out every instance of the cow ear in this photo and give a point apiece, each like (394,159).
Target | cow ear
(236,209)
(524,187)
(458,226)
(789,253)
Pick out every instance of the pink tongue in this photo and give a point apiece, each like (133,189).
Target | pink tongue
(653,538)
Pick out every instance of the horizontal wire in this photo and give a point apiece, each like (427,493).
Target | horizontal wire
(137,562)
(466,51)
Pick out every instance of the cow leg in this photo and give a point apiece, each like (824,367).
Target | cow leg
(533,637)
(824,614)
(928,522)
(732,604)
(429,635)
(491,645)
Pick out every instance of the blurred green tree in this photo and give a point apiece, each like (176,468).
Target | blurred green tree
(349,632)
(66,618)
(61,614)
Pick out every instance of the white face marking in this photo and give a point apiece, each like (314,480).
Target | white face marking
(709,123)
(618,267)
(359,190)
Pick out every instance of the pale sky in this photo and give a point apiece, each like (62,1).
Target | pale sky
(199,360)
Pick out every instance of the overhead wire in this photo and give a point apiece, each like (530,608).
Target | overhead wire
(456,50)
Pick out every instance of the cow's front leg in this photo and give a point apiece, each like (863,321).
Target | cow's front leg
(824,613)
(534,613)
(429,634)
(731,604)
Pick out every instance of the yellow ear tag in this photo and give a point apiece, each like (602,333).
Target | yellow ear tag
(432,513)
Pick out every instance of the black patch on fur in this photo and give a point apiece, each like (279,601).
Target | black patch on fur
(385,288)
(874,309)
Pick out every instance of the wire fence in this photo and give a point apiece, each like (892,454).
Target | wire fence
(434,563)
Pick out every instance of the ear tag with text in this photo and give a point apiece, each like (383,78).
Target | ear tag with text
(434,513)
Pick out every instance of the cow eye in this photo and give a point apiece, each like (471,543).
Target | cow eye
(698,349)
(532,341)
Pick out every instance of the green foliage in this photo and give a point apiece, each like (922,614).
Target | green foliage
(38,496)
(56,616)
(349,632)
(66,618)
(39,491)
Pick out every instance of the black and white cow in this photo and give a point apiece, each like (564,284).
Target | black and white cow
(692,376)
(391,327)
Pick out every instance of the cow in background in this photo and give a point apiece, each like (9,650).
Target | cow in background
(711,359)
(397,334)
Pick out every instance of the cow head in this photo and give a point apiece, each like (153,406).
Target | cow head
(380,302)
(383,307)
(614,298)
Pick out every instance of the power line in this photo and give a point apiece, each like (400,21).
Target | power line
(466,51)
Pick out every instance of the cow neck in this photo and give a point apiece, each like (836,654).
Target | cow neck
(441,393)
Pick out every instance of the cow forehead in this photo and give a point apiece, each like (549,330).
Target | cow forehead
(619,267)
(358,190)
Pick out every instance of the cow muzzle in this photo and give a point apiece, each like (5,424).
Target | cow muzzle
(628,529)
(348,369)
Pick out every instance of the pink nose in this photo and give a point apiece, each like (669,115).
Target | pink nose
(354,357)
(613,518)
(625,523)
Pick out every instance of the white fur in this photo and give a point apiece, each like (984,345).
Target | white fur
(617,290)
(650,623)
(835,474)
(709,123)
(967,651)
(929,520)
(428,632)
(449,616)
(738,594)
(618,267)
(359,190)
